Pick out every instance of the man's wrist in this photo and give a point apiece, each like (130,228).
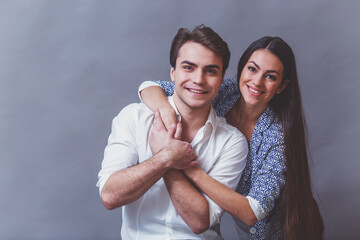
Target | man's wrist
(163,158)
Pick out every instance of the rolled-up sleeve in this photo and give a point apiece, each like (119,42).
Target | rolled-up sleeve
(167,86)
(121,150)
(228,169)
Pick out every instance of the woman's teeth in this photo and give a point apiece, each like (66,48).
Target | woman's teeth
(254,91)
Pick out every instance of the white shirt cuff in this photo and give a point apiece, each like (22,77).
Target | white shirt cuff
(257,209)
(144,85)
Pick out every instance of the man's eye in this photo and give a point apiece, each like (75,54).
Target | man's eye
(211,71)
(187,67)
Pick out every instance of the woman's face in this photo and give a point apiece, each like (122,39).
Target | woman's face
(261,78)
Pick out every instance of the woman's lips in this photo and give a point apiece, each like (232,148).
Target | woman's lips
(254,91)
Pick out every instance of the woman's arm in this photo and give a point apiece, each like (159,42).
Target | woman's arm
(268,181)
(229,200)
(154,98)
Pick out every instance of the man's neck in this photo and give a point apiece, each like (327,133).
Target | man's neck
(192,119)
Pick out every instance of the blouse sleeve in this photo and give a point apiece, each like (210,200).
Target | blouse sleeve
(269,179)
(167,86)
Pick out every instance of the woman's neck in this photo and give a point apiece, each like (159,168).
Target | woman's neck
(244,117)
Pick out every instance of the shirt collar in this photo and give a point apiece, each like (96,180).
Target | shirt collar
(211,120)
(171,101)
(265,120)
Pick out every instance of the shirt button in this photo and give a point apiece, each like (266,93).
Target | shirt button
(252,230)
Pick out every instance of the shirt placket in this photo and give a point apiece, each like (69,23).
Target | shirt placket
(168,222)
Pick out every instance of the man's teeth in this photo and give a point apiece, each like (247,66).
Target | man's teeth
(254,91)
(195,91)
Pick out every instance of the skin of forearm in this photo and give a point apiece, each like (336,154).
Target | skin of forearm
(154,97)
(229,200)
(189,203)
(128,185)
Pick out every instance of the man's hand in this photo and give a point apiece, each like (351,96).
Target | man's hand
(179,154)
(158,134)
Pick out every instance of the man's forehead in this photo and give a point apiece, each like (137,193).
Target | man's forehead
(192,52)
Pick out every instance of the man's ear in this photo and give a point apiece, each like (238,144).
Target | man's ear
(282,86)
(223,76)
(172,73)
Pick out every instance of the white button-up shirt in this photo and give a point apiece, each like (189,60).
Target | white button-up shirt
(221,151)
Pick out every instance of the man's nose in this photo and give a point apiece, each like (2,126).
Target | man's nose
(199,78)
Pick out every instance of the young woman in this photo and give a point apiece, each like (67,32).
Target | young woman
(274,199)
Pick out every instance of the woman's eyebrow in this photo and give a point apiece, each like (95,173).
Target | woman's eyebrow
(268,71)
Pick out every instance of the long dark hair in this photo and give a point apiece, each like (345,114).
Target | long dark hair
(300,214)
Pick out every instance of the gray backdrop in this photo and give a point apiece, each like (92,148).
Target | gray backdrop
(68,67)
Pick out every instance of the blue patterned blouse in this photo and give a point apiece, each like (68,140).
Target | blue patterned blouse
(264,174)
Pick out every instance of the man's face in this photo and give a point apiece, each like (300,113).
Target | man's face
(198,76)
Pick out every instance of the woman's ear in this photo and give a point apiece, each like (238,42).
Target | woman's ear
(282,86)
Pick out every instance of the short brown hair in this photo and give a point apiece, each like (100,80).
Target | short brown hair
(206,37)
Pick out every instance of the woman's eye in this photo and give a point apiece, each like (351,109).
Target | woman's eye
(252,69)
(272,77)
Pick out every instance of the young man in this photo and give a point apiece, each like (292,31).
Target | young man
(159,202)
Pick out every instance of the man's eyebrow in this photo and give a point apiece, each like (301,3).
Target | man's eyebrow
(188,62)
(207,66)
(213,66)
(268,71)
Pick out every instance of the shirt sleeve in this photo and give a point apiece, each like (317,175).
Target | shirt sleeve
(256,207)
(228,169)
(121,150)
(269,181)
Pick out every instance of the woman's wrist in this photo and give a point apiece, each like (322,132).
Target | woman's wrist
(194,174)
(167,114)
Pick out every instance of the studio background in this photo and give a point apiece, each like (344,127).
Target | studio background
(68,67)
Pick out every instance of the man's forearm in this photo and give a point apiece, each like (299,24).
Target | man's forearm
(188,201)
(127,185)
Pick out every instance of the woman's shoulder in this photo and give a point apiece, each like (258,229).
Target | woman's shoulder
(271,126)
(227,96)
(229,86)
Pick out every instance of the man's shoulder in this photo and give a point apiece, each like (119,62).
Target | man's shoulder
(134,111)
(135,107)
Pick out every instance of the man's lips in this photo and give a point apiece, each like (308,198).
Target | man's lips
(197,91)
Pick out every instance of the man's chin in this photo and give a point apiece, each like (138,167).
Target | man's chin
(199,105)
